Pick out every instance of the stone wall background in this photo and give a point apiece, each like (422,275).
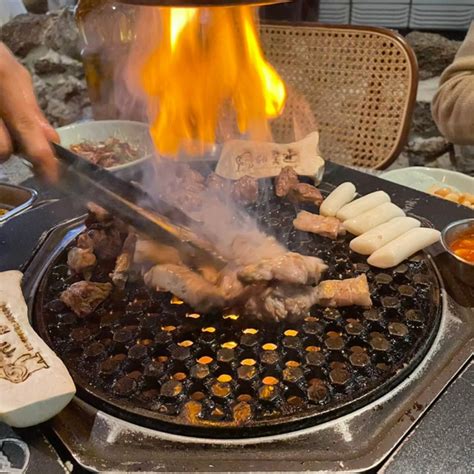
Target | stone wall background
(48,45)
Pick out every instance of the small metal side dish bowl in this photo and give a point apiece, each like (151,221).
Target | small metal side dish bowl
(464,270)
(15,199)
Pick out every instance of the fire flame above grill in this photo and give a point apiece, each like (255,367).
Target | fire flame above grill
(207,68)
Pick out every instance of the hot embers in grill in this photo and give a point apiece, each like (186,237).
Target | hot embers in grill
(145,350)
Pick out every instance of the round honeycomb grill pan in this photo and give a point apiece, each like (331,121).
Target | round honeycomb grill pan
(150,359)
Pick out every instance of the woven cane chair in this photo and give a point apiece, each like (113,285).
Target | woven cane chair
(360,83)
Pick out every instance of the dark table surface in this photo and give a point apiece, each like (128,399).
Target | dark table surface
(441,441)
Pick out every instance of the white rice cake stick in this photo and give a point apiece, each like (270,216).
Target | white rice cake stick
(402,247)
(34,383)
(342,195)
(370,241)
(370,219)
(363,204)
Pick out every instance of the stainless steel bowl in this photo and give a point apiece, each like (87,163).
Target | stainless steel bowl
(464,270)
(15,199)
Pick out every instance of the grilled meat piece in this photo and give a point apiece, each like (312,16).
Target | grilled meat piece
(290,302)
(83,297)
(81,260)
(316,224)
(99,213)
(304,192)
(151,251)
(229,284)
(217,183)
(185,284)
(105,243)
(290,267)
(184,187)
(285,181)
(245,249)
(245,190)
(349,292)
(124,261)
(280,302)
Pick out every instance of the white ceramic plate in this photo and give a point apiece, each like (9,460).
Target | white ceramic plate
(134,133)
(421,178)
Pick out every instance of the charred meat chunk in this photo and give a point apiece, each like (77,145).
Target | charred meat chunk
(316,224)
(83,297)
(245,190)
(81,260)
(105,243)
(285,181)
(304,192)
(349,292)
(185,284)
(124,262)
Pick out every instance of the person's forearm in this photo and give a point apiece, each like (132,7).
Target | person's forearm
(453,104)
(23,127)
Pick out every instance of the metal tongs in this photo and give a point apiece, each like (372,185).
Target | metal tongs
(132,205)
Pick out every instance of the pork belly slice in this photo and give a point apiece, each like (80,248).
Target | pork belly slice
(285,181)
(83,297)
(187,285)
(349,292)
(290,267)
(304,192)
(81,260)
(124,261)
(280,302)
(316,224)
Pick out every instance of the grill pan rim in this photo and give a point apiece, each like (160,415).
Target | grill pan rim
(260,428)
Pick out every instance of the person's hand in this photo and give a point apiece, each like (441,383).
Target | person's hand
(23,127)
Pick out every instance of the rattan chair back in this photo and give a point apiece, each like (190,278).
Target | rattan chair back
(359,82)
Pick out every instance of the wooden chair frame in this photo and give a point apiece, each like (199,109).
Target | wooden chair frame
(359,82)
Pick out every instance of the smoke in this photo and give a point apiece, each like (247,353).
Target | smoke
(121,39)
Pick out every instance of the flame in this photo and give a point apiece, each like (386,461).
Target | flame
(206,63)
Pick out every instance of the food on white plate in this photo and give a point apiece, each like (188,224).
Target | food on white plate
(372,240)
(338,198)
(330,227)
(352,291)
(403,247)
(107,153)
(363,204)
(372,218)
(465,199)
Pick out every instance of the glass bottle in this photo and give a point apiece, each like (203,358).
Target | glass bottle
(107,31)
